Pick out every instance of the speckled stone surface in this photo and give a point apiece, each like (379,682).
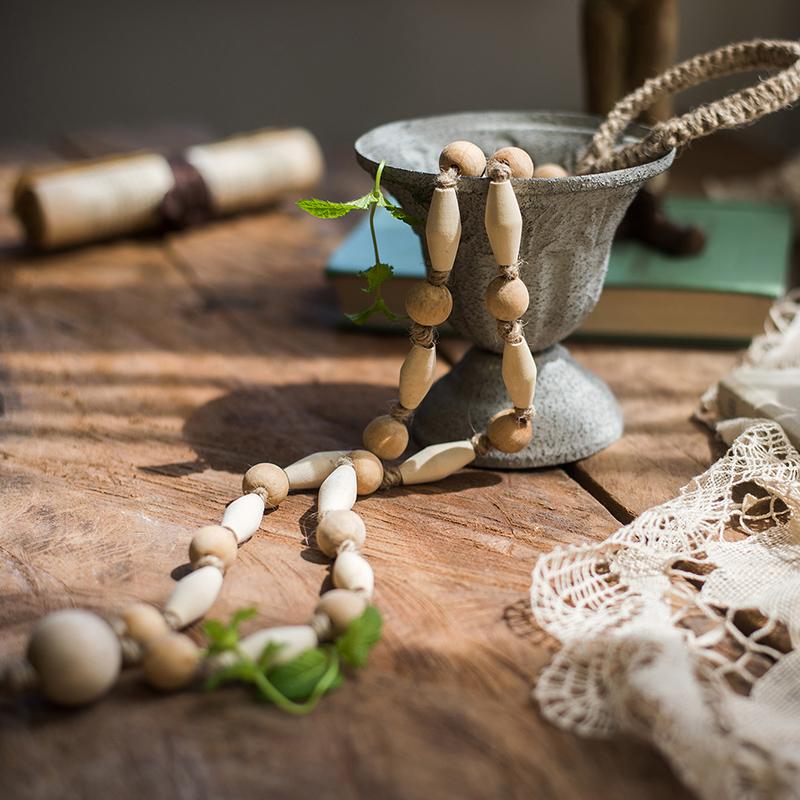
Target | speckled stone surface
(568,226)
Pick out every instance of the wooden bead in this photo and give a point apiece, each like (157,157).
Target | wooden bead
(311,470)
(342,607)
(243,516)
(507,434)
(170,662)
(213,545)
(352,571)
(269,477)
(427,304)
(436,462)
(416,375)
(76,656)
(443,229)
(338,527)
(519,373)
(193,596)
(369,471)
(518,160)
(144,623)
(292,640)
(386,437)
(338,490)
(503,221)
(550,171)
(507,300)
(465,156)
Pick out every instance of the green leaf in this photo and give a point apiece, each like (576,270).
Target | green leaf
(376,276)
(327,209)
(360,637)
(267,657)
(298,678)
(243,670)
(222,637)
(378,307)
(398,212)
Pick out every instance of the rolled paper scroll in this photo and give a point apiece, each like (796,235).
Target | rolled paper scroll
(97,199)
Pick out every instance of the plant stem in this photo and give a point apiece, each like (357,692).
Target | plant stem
(373,208)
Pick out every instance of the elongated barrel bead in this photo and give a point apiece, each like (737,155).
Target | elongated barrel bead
(292,640)
(503,222)
(436,462)
(310,471)
(243,516)
(416,375)
(519,373)
(193,597)
(338,490)
(443,229)
(352,571)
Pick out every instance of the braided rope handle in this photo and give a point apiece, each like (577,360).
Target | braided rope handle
(746,105)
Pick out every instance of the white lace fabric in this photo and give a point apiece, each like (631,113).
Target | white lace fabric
(682,626)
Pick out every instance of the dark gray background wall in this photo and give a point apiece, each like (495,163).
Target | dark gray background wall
(336,67)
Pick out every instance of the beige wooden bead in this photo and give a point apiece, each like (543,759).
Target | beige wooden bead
(342,607)
(507,300)
(386,437)
(507,434)
(436,462)
(427,304)
(503,221)
(269,477)
(213,545)
(465,156)
(369,471)
(338,527)
(519,373)
(193,596)
(311,470)
(243,516)
(416,375)
(518,160)
(292,639)
(76,655)
(352,571)
(443,229)
(170,662)
(550,171)
(144,622)
(338,490)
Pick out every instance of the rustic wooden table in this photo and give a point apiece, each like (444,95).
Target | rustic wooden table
(141,378)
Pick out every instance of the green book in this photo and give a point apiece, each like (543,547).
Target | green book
(721,295)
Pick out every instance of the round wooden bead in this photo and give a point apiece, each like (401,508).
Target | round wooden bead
(550,171)
(144,622)
(520,163)
(76,656)
(386,437)
(507,300)
(465,156)
(337,527)
(269,477)
(427,304)
(507,434)
(170,662)
(213,542)
(341,607)
(369,471)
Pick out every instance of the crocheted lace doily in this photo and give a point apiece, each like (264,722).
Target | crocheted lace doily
(681,627)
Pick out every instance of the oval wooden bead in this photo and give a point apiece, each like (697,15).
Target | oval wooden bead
(76,655)
(352,571)
(443,229)
(170,662)
(338,490)
(386,437)
(213,545)
(144,623)
(429,305)
(550,171)
(519,373)
(269,477)
(292,639)
(338,527)
(369,471)
(193,596)
(342,607)
(310,471)
(416,375)
(507,434)
(465,156)
(518,160)
(503,221)
(243,516)
(436,462)
(507,300)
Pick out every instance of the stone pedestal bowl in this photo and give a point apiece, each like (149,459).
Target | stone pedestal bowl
(568,227)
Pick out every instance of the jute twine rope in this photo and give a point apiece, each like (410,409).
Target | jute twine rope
(739,108)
